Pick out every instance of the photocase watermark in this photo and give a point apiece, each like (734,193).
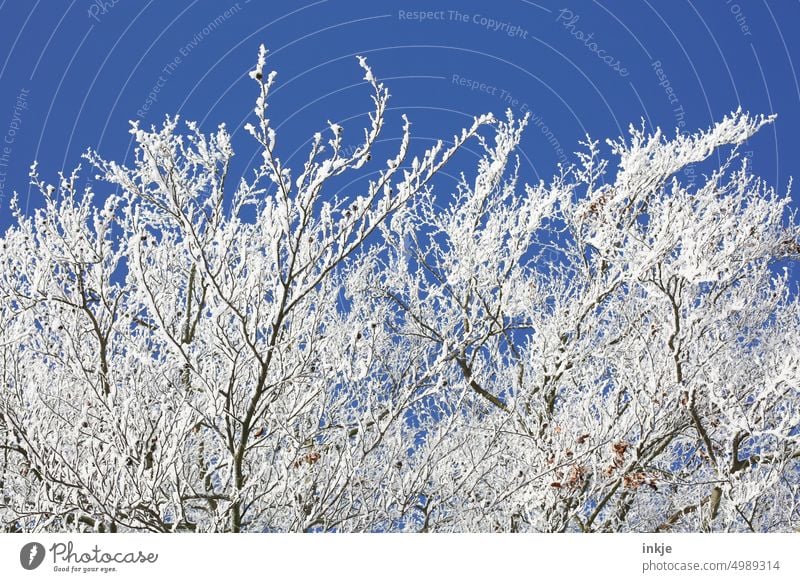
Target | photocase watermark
(740,17)
(503,95)
(568,20)
(422,15)
(168,70)
(10,137)
(66,558)
(511,101)
(209,28)
(491,24)
(99,8)
(551,138)
(666,84)
(31,555)
(678,112)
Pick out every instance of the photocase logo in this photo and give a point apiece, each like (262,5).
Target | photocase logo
(31,555)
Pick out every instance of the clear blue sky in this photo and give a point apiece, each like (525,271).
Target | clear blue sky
(73,72)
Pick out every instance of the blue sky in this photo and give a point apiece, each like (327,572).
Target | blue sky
(73,72)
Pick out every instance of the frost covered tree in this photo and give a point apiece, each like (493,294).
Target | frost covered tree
(609,351)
